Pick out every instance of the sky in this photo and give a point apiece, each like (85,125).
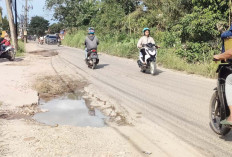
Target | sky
(38,9)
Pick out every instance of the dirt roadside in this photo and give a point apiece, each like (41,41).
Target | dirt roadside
(21,136)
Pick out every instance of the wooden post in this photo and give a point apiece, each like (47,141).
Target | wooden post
(25,23)
(11,23)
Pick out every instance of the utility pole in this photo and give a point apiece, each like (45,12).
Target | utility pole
(11,23)
(25,22)
(16,21)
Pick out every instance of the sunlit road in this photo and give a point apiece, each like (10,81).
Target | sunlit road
(177,102)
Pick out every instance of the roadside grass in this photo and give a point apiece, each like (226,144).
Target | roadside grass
(127,49)
(21,49)
(1,103)
(168,59)
(75,39)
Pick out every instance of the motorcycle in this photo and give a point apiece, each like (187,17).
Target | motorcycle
(150,59)
(92,59)
(218,109)
(7,52)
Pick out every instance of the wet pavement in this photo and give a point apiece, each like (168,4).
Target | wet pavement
(69,110)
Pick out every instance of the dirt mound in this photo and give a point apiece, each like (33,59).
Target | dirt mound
(54,85)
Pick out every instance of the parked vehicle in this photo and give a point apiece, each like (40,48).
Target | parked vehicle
(51,39)
(150,59)
(92,59)
(46,38)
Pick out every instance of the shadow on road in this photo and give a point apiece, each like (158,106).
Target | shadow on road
(100,66)
(157,73)
(2,60)
(228,137)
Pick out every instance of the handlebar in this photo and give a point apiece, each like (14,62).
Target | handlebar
(215,60)
(144,45)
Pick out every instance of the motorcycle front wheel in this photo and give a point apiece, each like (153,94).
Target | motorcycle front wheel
(215,116)
(11,55)
(153,68)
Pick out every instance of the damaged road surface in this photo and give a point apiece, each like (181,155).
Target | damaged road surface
(163,115)
(69,110)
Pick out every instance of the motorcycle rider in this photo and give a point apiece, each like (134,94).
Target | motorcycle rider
(41,39)
(58,38)
(228,85)
(145,39)
(5,42)
(91,42)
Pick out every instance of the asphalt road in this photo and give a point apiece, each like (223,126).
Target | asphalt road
(175,101)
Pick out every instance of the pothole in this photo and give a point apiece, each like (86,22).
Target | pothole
(45,53)
(12,116)
(69,109)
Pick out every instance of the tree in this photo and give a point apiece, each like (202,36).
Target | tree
(109,20)
(55,28)
(73,13)
(5,24)
(38,26)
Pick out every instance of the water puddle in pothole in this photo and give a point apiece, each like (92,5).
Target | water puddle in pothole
(69,110)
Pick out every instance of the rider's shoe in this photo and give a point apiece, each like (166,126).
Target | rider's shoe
(225,122)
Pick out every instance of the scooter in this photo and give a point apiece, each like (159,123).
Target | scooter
(218,109)
(150,59)
(7,52)
(92,59)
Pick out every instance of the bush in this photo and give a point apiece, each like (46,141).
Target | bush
(168,59)
(21,48)
(196,52)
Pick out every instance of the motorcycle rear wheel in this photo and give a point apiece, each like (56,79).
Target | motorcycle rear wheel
(153,68)
(215,116)
(94,66)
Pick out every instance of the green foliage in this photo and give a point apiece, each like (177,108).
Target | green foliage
(189,28)
(168,39)
(168,59)
(73,13)
(21,48)
(107,45)
(200,25)
(5,24)
(217,6)
(109,19)
(194,52)
(75,39)
(38,26)
(55,28)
